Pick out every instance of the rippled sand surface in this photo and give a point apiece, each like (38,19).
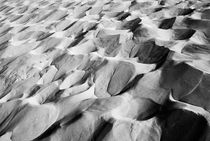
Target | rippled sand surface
(104,70)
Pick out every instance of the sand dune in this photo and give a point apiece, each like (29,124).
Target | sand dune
(104,70)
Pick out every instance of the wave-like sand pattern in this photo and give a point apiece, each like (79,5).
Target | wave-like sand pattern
(104,70)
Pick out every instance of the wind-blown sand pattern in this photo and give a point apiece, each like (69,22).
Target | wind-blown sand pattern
(104,70)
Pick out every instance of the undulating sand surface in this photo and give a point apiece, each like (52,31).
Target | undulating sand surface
(104,70)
